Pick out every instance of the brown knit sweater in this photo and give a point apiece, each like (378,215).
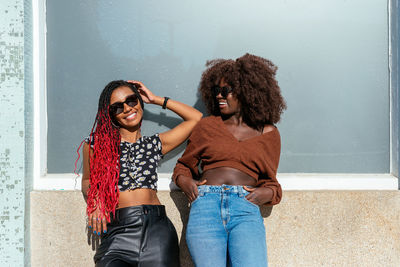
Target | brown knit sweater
(214,146)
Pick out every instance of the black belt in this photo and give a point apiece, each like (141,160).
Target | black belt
(122,213)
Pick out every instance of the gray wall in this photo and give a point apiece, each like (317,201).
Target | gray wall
(332,58)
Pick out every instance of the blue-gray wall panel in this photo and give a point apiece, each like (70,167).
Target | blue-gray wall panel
(332,58)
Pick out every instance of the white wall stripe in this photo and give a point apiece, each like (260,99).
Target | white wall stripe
(288,181)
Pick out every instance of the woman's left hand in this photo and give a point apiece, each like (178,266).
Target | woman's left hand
(259,195)
(147,96)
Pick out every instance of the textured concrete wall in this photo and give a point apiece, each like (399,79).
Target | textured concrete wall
(12,145)
(309,228)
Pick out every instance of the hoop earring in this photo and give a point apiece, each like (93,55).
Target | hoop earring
(114,124)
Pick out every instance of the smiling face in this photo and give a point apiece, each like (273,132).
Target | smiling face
(130,117)
(228,105)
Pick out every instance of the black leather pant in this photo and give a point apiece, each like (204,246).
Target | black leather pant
(141,236)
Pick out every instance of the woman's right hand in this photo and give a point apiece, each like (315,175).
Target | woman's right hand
(97,222)
(189,186)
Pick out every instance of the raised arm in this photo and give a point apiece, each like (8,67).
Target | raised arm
(176,136)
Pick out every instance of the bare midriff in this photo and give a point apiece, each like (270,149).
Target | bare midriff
(228,176)
(136,197)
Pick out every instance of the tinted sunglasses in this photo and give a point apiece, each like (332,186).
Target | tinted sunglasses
(224,91)
(118,107)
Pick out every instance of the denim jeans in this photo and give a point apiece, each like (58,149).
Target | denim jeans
(225,229)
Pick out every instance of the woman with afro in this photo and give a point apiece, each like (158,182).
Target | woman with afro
(237,149)
(119,179)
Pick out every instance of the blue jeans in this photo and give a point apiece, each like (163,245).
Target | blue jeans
(225,229)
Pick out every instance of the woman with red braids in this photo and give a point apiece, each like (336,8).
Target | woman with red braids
(119,179)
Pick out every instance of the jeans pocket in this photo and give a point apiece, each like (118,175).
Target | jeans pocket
(197,199)
(249,202)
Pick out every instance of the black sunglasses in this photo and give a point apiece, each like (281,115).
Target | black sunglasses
(224,91)
(118,107)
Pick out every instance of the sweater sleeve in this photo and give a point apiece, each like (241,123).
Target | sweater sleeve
(268,179)
(187,165)
(276,189)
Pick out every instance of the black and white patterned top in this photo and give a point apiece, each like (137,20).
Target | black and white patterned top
(139,162)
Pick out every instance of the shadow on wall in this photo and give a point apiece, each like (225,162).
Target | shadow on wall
(92,239)
(170,122)
(182,205)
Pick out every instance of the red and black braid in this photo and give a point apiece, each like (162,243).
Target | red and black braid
(103,193)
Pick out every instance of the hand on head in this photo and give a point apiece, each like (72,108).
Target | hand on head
(147,96)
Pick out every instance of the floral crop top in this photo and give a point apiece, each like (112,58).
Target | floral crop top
(138,163)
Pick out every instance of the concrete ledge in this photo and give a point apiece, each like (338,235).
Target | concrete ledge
(308,228)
